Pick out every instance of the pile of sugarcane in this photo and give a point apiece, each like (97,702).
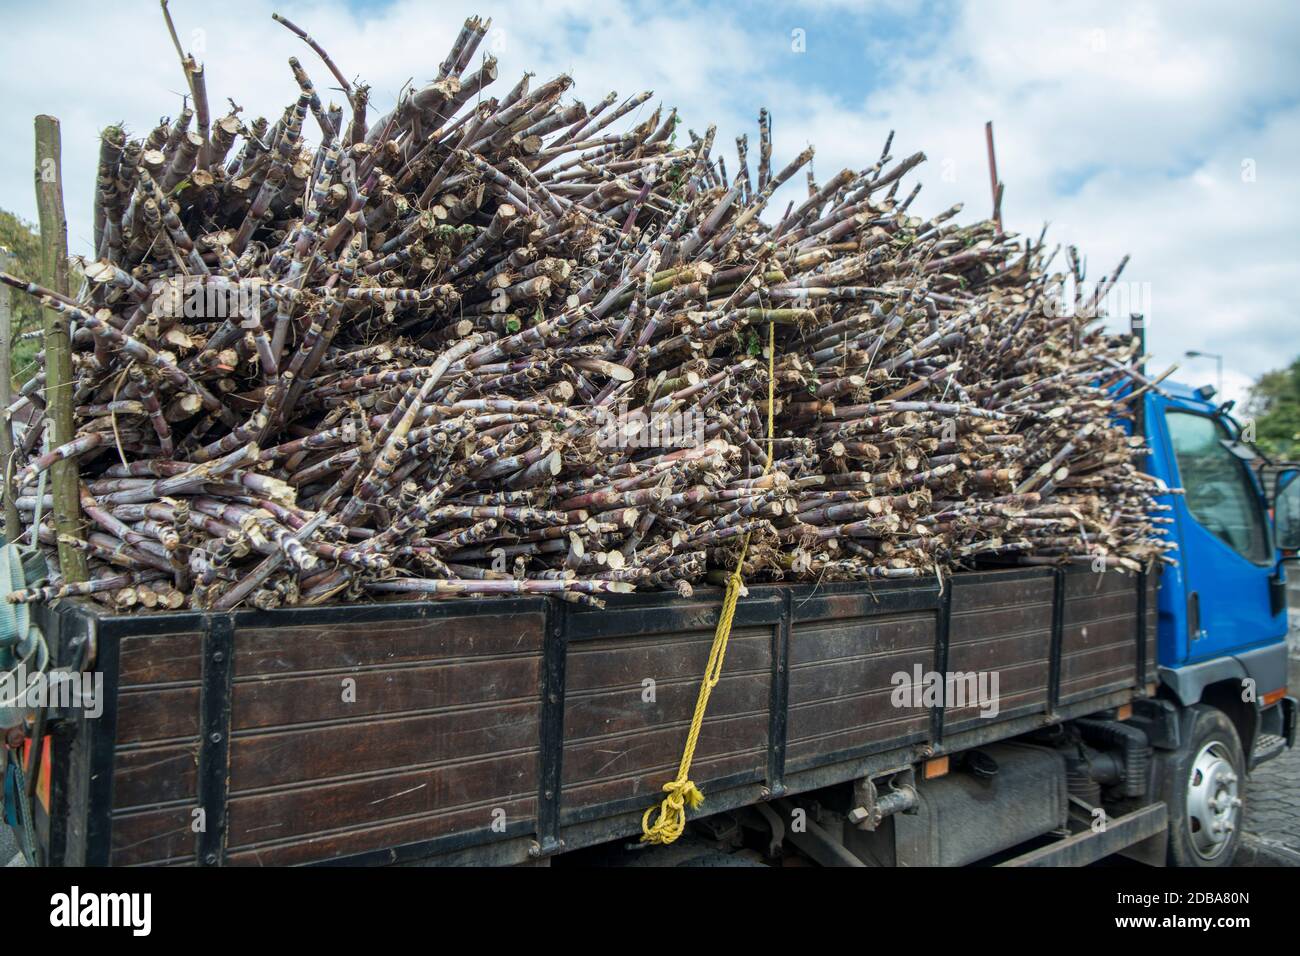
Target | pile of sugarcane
(500,345)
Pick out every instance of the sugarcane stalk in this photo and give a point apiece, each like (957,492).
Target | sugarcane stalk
(498,346)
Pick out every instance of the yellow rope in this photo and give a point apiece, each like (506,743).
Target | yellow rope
(682,792)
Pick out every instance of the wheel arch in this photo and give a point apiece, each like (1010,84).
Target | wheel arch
(1221,683)
(1226,696)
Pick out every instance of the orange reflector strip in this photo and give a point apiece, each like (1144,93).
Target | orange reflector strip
(1273,696)
(938,767)
(1123,711)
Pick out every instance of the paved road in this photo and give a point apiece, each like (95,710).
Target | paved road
(1273,795)
(1273,806)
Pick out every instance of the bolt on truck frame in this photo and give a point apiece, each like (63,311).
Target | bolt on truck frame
(1127,710)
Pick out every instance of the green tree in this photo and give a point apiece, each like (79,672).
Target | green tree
(1274,404)
(23,242)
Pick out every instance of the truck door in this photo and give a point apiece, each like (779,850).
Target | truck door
(1225,550)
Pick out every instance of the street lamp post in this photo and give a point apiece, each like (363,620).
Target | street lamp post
(1218,366)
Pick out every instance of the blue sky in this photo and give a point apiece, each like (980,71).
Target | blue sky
(1170,131)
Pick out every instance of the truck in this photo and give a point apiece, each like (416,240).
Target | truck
(1017,715)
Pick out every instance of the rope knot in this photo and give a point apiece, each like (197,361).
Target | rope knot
(672,812)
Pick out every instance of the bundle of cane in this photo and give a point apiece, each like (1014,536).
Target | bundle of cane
(508,344)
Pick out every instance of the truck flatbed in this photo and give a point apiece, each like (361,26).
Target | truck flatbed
(504,731)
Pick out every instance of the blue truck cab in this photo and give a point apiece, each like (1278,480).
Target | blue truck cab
(1223,615)
(1222,631)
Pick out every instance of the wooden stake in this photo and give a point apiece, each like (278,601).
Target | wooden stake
(58,345)
(994,183)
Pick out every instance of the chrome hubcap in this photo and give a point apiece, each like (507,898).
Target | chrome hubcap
(1213,800)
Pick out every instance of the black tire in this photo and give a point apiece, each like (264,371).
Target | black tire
(1209,773)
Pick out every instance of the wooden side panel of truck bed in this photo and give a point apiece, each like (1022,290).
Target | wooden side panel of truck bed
(496,731)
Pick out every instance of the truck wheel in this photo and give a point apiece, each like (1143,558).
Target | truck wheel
(1203,783)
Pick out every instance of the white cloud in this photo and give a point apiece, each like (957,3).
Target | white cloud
(1126,127)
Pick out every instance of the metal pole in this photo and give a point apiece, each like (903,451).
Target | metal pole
(1218,366)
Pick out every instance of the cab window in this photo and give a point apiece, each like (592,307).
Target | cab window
(1217,485)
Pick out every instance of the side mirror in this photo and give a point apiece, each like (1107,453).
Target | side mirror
(1286,509)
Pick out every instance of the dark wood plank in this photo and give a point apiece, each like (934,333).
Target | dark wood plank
(1000,651)
(1018,686)
(153,836)
(281,701)
(622,713)
(395,833)
(295,650)
(641,765)
(842,682)
(619,744)
(431,792)
(626,662)
(1011,592)
(1084,584)
(1087,635)
(817,730)
(160,659)
(1099,639)
(147,776)
(157,714)
(260,760)
(909,635)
